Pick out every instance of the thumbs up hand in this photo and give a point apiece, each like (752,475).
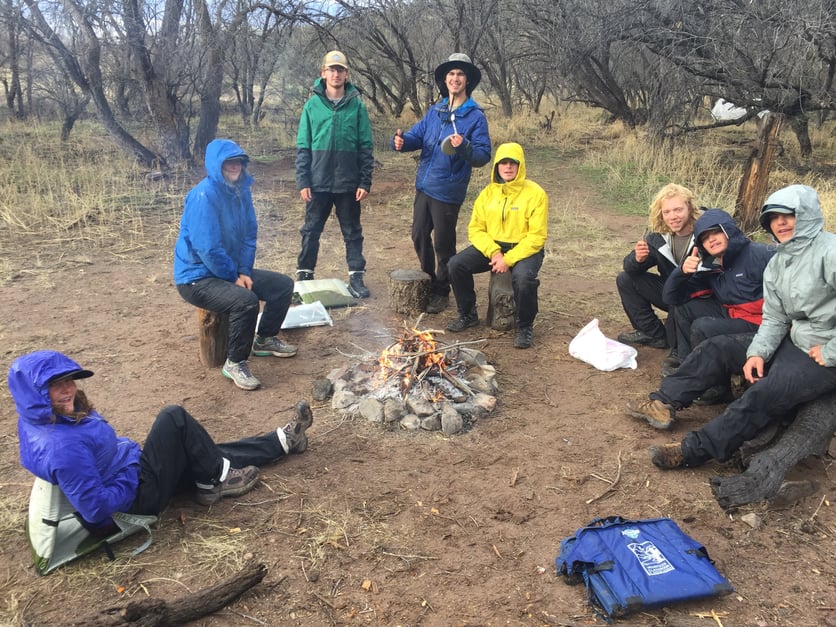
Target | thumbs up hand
(397,141)
(692,262)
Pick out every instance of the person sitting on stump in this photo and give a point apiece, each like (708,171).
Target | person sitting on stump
(789,361)
(673,213)
(214,257)
(728,265)
(65,441)
(507,232)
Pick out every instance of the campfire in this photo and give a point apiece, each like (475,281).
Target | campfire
(419,382)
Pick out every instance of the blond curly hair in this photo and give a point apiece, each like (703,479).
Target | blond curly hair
(655,221)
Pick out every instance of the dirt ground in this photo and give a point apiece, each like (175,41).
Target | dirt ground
(377,525)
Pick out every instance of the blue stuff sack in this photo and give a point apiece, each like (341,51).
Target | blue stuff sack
(629,565)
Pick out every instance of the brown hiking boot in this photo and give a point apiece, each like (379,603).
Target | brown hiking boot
(656,413)
(666,456)
(294,431)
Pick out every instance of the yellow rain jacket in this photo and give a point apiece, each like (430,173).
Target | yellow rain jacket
(515,213)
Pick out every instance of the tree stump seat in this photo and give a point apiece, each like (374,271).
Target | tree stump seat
(213,337)
(502,310)
(409,291)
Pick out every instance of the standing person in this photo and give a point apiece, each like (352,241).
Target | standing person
(507,231)
(792,357)
(673,213)
(729,265)
(334,168)
(453,138)
(214,257)
(65,441)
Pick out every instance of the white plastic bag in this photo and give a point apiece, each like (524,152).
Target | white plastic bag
(307,315)
(593,347)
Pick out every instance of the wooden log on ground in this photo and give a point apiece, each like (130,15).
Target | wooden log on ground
(151,612)
(502,310)
(809,434)
(409,291)
(213,337)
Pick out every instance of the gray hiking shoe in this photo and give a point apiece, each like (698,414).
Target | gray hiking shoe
(238,481)
(240,374)
(272,346)
(294,431)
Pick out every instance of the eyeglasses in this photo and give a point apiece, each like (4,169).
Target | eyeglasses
(336,69)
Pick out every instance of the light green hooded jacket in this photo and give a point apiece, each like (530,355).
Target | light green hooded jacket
(799,283)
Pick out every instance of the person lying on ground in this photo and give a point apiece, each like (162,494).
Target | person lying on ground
(507,231)
(792,357)
(65,441)
(214,257)
(673,213)
(727,265)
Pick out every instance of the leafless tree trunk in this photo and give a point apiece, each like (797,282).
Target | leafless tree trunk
(755,180)
(84,69)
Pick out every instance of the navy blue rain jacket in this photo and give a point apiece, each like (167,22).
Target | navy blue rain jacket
(737,283)
(97,471)
(218,229)
(446,177)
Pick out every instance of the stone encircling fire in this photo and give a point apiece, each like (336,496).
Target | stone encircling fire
(418,382)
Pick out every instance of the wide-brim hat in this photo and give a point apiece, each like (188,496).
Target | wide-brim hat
(461,61)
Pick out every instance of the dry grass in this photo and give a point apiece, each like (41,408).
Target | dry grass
(86,193)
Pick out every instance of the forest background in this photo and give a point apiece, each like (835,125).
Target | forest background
(109,106)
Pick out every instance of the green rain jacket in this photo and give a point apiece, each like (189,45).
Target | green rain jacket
(334,143)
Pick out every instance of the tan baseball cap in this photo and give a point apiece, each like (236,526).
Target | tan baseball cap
(335,57)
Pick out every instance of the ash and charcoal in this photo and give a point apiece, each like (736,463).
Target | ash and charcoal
(416,383)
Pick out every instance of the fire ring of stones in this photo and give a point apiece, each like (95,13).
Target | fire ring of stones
(418,383)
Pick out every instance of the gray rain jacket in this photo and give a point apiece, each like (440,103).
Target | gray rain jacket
(799,284)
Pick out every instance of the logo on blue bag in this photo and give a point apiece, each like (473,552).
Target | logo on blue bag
(652,561)
(630,532)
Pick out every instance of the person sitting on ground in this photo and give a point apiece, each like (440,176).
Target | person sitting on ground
(730,266)
(507,231)
(789,361)
(334,166)
(453,139)
(65,441)
(214,257)
(673,213)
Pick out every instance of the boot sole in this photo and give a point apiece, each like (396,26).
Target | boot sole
(273,354)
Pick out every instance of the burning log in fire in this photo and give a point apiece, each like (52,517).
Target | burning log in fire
(415,356)
(419,382)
